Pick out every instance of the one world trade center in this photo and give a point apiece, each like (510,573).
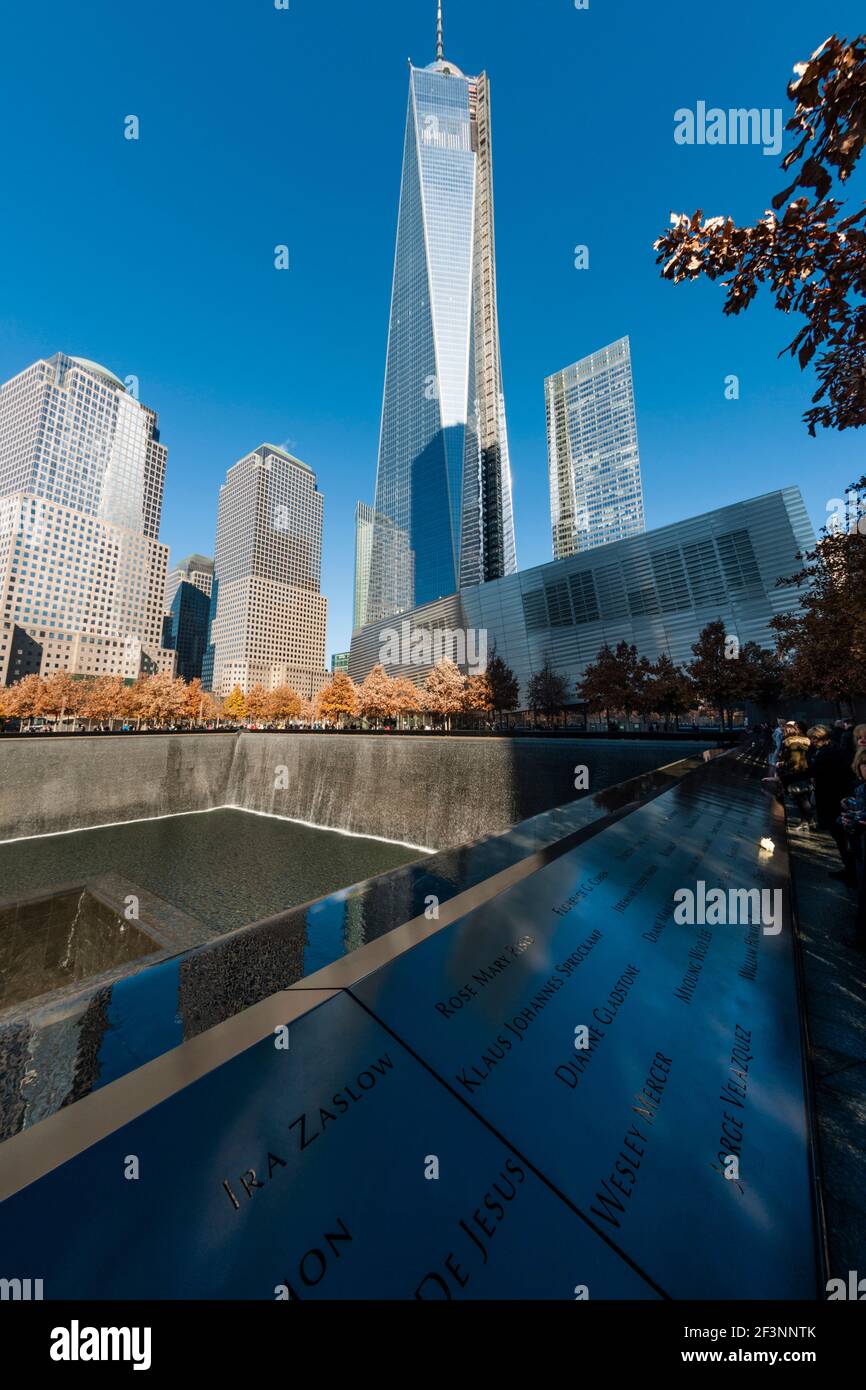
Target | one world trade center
(442,516)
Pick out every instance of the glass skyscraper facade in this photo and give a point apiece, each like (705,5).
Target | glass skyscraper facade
(196,570)
(596,493)
(442,516)
(185,628)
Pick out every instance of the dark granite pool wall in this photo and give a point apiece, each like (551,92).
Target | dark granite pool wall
(432,792)
(52,784)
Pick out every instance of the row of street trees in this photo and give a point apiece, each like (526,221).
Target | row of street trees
(105,701)
(446,692)
(260,706)
(722,677)
(823,641)
(618,684)
(163,700)
(382,698)
(824,637)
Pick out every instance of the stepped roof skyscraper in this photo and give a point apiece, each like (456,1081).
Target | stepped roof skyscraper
(442,516)
(82,570)
(267,616)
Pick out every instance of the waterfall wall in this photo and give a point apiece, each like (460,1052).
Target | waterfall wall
(56,783)
(433,792)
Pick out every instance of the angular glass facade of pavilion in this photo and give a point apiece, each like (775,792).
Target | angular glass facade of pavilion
(656,590)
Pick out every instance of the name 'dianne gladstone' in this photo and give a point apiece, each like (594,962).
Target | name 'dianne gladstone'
(471,1077)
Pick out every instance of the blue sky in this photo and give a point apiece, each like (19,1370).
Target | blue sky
(262,126)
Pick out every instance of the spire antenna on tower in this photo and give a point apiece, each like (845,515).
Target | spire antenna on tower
(440,46)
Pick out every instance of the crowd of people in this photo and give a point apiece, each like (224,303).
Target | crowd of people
(822,770)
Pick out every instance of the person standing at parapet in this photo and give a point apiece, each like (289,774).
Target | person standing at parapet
(853,821)
(793,770)
(832,780)
(776,739)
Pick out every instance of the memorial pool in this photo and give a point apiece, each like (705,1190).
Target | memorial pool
(224,868)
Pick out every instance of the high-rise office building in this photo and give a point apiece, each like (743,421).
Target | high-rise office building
(268,618)
(364,516)
(196,570)
(339,662)
(442,515)
(188,590)
(596,493)
(82,572)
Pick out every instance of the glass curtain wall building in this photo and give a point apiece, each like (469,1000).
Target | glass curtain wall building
(196,570)
(442,516)
(185,628)
(596,493)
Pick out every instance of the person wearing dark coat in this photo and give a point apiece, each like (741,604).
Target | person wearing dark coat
(793,771)
(832,781)
(853,821)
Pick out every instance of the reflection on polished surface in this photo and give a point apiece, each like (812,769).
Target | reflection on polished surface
(225,868)
(87,1041)
(71,936)
(678,1123)
(368,1224)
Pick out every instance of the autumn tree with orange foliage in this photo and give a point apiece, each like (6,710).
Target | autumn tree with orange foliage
(407,699)
(338,700)
(376,696)
(25,698)
(444,691)
(257,704)
(101,701)
(235,706)
(61,695)
(283,704)
(478,698)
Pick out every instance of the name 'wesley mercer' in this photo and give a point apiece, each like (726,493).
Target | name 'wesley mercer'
(624,1174)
